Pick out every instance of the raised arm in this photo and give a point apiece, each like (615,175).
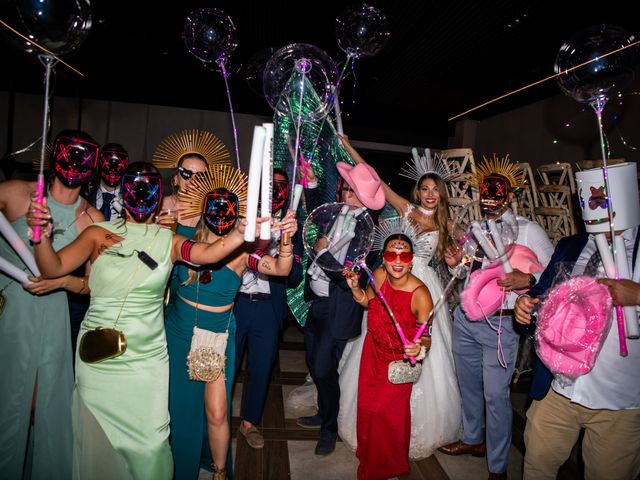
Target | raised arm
(400,204)
(54,264)
(421,305)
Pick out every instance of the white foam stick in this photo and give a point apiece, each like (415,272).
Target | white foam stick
(253,189)
(336,228)
(266,188)
(495,234)
(336,110)
(489,250)
(297,195)
(14,272)
(18,245)
(351,232)
(606,256)
(630,313)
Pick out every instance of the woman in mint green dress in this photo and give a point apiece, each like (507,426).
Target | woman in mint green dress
(204,296)
(120,405)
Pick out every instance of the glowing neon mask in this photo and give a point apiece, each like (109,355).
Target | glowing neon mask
(494,193)
(220,211)
(141,194)
(113,163)
(280,194)
(74,160)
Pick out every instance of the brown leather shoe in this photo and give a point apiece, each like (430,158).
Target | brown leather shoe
(461,448)
(252,435)
(497,476)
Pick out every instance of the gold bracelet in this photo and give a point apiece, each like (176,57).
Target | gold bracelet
(364,295)
(84,285)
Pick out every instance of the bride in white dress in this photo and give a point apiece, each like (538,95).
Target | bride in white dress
(436,414)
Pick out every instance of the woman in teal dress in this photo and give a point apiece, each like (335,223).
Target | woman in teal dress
(203,296)
(120,405)
(35,344)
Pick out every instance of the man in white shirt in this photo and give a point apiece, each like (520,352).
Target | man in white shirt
(606,400)
(485,351)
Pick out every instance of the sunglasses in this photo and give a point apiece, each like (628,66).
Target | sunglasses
(185,173)
(391,256)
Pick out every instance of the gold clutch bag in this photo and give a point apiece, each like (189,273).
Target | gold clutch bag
(102,344)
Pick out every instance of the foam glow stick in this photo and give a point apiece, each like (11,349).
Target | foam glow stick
(401,334)
(253,189)
(333,249)
(18,245)
(612,272)
(506,264)
(10,269)
(630,313)
(297,195)
(266,188)
(489,250)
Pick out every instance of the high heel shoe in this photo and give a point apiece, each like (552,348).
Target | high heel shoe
(218,473)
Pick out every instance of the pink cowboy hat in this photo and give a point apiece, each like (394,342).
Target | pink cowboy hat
(482,295)
(365,183)
(572,326)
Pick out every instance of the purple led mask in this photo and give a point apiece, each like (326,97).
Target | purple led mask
(74,160)
(141,194)
(220,211)
(113,162)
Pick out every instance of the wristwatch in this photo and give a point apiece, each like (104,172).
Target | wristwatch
(532,280)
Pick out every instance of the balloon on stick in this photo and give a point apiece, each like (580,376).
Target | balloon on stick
(594,83)
(60,26)
(210,35)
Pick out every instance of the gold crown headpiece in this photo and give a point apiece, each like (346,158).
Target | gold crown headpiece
(216,176)
(498,166)
(174,147)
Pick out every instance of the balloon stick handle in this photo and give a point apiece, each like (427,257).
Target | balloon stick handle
(39,197)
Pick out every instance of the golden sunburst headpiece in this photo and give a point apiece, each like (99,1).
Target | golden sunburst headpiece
(174,147)
(216,176)
(498,166)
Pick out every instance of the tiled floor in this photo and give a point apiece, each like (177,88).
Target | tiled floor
(289,449)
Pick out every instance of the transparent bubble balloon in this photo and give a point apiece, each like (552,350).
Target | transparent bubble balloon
(210,35)
(362,30)
(336,236)
(294,75)
(484,239)
(597,81)
(58,25)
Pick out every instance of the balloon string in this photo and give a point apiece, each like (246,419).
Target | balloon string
(298,130)
(598,106)
(225,74)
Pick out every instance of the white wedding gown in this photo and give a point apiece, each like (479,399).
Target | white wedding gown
(436,412)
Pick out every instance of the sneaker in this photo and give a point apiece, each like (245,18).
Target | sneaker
(327,443)
(251,434)
(313,422)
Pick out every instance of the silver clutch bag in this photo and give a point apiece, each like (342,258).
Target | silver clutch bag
(403,372)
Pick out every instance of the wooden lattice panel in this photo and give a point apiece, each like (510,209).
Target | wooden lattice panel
(460,162)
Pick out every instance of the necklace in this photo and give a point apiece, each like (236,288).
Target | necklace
(427,212)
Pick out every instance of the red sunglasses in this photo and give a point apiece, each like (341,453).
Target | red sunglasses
(390,256)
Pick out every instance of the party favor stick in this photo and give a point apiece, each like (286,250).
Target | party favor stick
(630,314)
(267,181)
(18,245)
(253,190)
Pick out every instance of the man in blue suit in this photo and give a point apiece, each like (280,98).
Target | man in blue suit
(334,316)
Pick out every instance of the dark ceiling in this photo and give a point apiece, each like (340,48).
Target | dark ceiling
(442,57)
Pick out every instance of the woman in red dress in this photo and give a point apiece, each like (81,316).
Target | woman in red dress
(384,414)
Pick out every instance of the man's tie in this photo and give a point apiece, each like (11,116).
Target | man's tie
(107,197)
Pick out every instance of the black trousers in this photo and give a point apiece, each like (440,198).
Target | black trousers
(323,356)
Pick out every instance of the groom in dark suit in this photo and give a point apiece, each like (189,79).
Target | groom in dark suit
(334,316)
